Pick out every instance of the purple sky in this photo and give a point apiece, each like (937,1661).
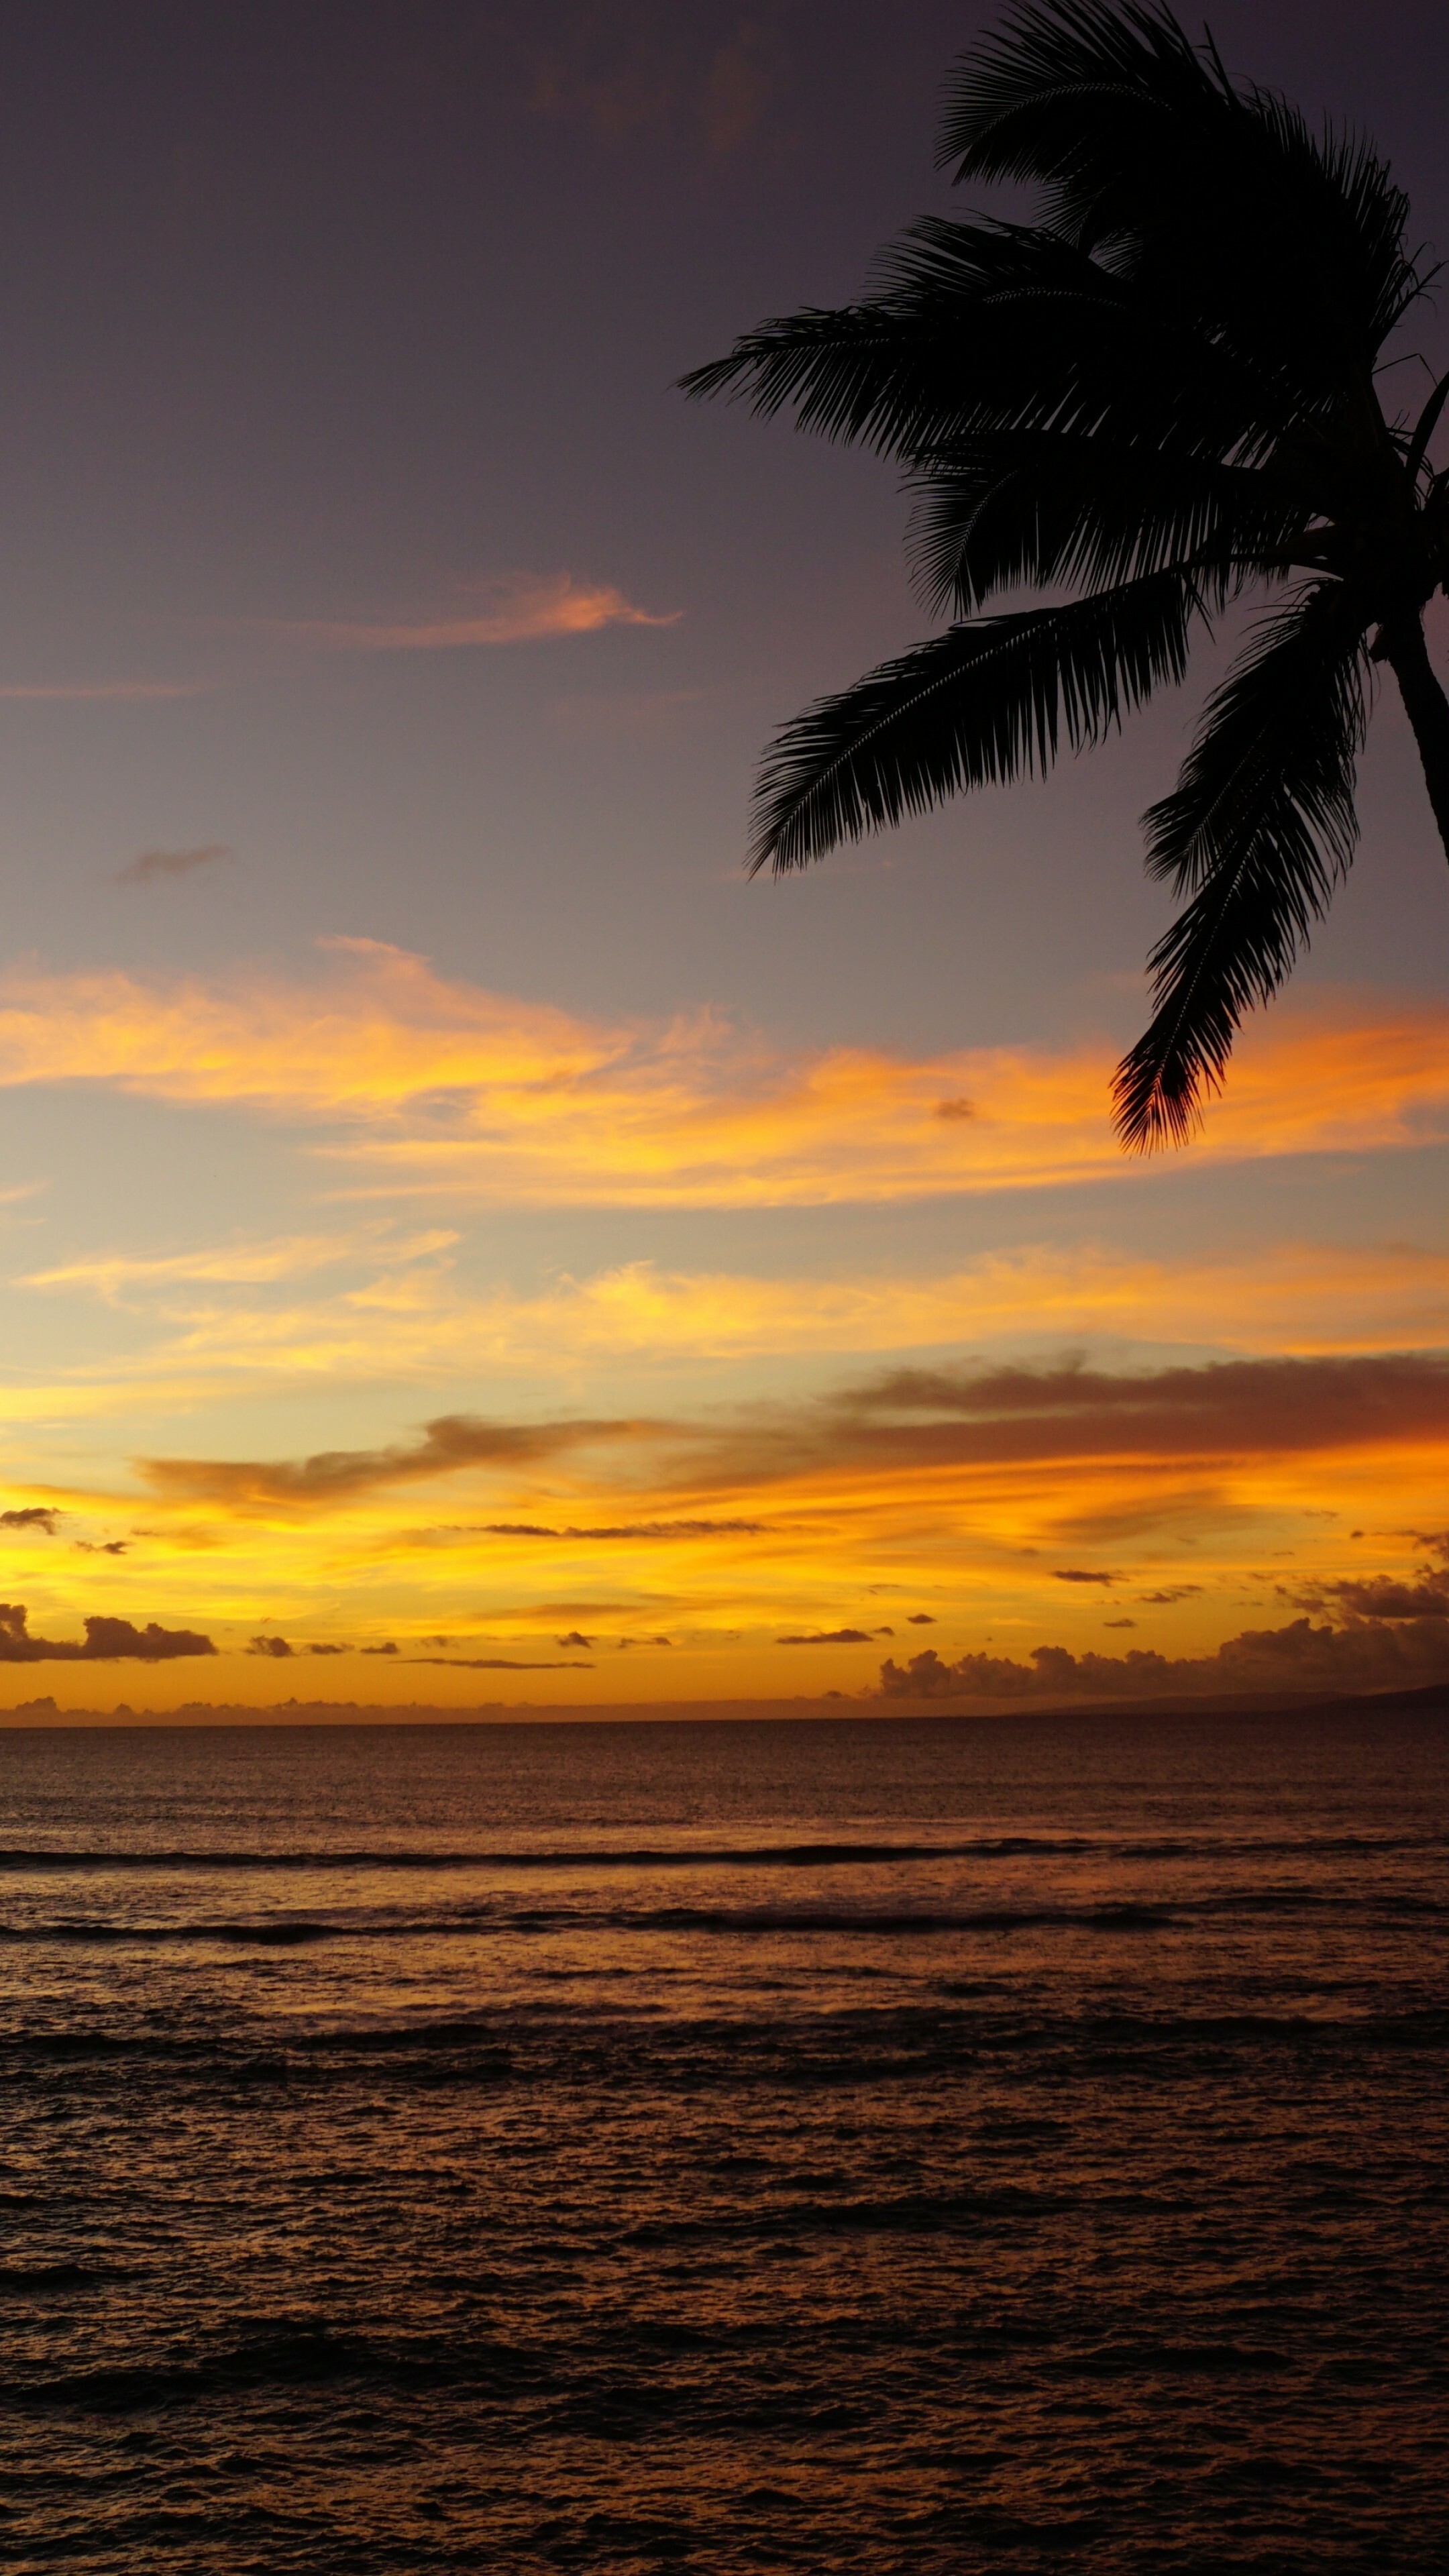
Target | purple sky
(323,312)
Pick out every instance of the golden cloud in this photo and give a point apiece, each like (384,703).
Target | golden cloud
(1290,1298)
(437,1085)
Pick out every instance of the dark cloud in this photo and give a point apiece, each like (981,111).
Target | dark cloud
(829,1637)
(1165,1600)
(39,1516)
(170,863)
(952,1109)
(1229,1408)
(106,1641)
(624,1529)
(454,1440)
(1366,1655)
(388,1649)
(1080,1574)
(574,1639)
(571,1614)
(1160,1503)
(102,1546)
(279,1648)
(1165,1421)
(920,1619)
(1119,1623)
(1381,1598)
(1171,1424)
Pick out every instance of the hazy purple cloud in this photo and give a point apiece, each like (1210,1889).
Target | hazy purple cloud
(152,864)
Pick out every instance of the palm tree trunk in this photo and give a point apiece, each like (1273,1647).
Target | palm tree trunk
(1401,644)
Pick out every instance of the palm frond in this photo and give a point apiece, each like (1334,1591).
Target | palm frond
(982,327)
(1062,92)
(986,701)
(1286,245)
(1049,509)
(1259,830)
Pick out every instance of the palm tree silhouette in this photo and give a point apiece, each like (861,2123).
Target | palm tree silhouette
(1161,395)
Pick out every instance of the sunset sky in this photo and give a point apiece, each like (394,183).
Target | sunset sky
(465,1244)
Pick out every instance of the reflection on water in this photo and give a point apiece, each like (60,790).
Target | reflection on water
(879,2145)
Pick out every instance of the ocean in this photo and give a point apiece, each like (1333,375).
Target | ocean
(881,2145)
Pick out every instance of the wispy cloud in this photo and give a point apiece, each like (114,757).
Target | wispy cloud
(170,863)
(283,1258)
(435,1085)
(517,608)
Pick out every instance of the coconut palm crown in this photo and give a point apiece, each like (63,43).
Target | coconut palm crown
(1162,395)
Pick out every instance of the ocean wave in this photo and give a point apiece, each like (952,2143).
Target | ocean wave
(298,2356)
(554,2044)
(39,1860)
(497,1921)
(823,1855)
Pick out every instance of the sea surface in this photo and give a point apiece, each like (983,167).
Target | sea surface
(865,2145)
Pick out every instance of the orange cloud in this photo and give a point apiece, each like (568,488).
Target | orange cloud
(518,608)
(439,1086)
(409,1312)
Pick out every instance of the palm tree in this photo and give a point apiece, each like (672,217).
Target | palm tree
(1160,396)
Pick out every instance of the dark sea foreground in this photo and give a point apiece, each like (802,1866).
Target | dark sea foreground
(901,2145)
